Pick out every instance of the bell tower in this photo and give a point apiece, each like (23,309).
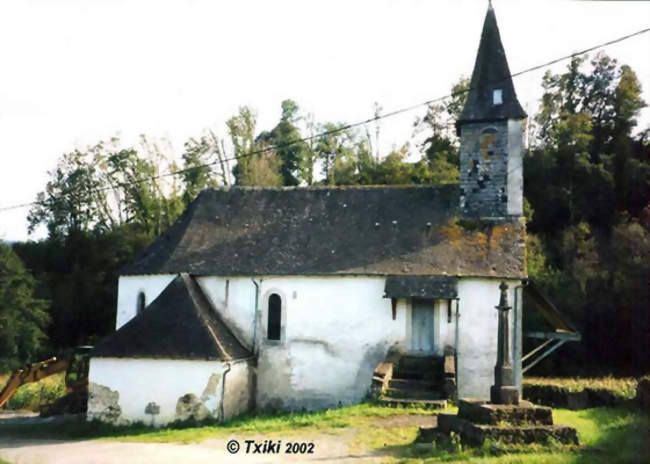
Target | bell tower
(491,134)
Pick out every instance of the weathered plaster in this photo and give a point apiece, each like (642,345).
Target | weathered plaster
(189,407)
(335,331)
(239,389)
(180,389)
(103,404)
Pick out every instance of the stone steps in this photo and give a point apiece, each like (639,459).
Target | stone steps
(410,393)
(416,381)
(417,375)
(410,402)
(419,384)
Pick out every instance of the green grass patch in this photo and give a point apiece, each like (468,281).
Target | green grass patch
(607,435)
(622,386)
(32,395)
(331,421)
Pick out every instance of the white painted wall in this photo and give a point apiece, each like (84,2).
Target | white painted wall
(336,331)
(444,330)
(234,300)
(164,381)
(478,324)
(127,294)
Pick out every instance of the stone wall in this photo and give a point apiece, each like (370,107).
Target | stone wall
(491,183)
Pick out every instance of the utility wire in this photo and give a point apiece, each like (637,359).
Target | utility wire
(345,127)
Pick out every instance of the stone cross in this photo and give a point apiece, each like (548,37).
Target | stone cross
(503,391)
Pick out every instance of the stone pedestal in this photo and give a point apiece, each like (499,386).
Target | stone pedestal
(504,395)
(503,391)
(478,421)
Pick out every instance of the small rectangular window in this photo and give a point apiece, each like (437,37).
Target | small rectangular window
(497,97)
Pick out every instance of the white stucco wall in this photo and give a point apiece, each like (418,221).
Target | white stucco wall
(127,294)
(234,300)
(478,324)
(139,382)
(336,330)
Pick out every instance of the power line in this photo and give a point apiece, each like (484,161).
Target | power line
(346,127)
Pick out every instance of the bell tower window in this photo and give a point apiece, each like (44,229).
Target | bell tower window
(497,97)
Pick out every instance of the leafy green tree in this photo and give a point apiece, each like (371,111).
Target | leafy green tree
(199,157)
(335,151)
(285,137)
(441,147)
(23,317)
(587,180)
(106,186)
(262,170)
(241,129)
(67,201)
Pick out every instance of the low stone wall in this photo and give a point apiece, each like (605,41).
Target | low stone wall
(561,397)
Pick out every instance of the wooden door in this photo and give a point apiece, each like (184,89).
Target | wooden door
(422,326)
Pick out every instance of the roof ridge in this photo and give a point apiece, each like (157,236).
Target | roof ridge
(309,188)
(196,293)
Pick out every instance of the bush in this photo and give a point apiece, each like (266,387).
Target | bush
(33,395)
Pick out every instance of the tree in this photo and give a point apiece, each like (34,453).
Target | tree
(67,201)
(199,157)
(262,170)
(23,317)
(241,129)
(587,179)
(441,148)
(106,186)
(285,138)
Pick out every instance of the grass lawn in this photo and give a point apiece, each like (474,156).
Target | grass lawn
(330,421)
(622,386)
(607,435)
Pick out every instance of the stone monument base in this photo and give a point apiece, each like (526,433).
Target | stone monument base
(478,421)
(504,395)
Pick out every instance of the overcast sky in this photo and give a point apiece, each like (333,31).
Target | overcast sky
(77,71)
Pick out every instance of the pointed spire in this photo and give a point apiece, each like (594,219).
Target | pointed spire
(491,72)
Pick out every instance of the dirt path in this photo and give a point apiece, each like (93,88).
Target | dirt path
(328,448)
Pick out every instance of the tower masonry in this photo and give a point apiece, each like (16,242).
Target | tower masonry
(491,135)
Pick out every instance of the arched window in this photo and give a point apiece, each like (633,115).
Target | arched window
(274,326)
(142,302)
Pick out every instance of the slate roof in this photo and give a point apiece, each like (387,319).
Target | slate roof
(491,72)
(395,230)
(179,324)
(436,287)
